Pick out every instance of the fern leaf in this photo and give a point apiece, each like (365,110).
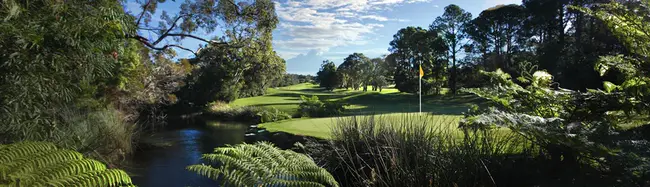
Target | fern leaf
(22,149)
(110,177)
(54,157)
(42,164)
(205,170)
(289,183)
(64,170)
(262,164)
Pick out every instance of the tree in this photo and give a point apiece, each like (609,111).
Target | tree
(379,83)
(327,76)
(377,75)
(242,22)
(262,74)
(497,34)
(451,26)
(351,71)
(223,72)
(414,46)
(53,54)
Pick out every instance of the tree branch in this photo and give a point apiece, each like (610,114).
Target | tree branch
(152,46)
(235,5)
(213,42)
(144,9)
(168,30)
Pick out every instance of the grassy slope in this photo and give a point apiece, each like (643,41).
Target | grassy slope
(389,101)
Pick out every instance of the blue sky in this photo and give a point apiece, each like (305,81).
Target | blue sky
(311,31)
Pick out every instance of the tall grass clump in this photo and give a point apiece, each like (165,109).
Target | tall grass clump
(413,150)
(103,134)
(247,114)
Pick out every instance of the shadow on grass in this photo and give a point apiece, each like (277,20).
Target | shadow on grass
(296,96)
(373,102)
(376,103)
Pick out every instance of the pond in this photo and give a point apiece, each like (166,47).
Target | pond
(165,165)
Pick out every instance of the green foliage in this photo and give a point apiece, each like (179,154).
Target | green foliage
(43,164)
(629,25)
(327,76)
(413,150)
(262,164)
(572,128)
(242,23)
(225,74)
(53,53)
(272,115)
(351,71)
(314,107)
(412,47)
(293,79)
(451,27)
(247,114)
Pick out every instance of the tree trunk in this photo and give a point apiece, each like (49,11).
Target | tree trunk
(453,72)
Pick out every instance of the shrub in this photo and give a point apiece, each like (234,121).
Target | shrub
(43,164)
(314,107)
(246,114)
(104,133)
(271,115)
(262,164)
(574,130)
(413,151)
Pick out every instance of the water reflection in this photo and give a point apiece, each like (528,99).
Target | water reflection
(166,166)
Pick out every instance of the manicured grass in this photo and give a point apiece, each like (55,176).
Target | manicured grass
(322,127)
(389,100)
(388,103)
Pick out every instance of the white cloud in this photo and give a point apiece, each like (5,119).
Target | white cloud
(287,54)
(375,17)
(323,24)
(436,6)
(492,3)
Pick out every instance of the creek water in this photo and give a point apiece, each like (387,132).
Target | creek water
(165,164)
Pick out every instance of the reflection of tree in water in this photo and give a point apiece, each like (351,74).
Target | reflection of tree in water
(218,134)
(165,166)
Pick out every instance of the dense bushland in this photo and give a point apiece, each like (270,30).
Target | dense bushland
(82,74)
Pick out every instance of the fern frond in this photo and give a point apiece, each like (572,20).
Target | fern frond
(21,149)
(205,171)
(54,157)
(262,164)
(63,170)
(110,177)
(290,183)
(42,164)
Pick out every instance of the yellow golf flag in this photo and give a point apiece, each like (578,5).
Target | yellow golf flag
(421,72)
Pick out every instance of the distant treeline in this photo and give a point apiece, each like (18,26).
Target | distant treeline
(293,79)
